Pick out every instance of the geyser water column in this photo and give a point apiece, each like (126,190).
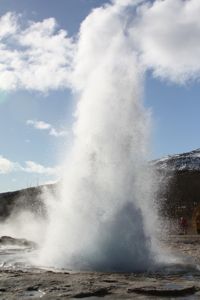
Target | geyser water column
(102,219)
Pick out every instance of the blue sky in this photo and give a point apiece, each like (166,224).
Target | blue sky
(34,148)
(175,110)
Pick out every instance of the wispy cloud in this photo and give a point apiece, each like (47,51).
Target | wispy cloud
(41,125)
(7,166)
(36,57)
(58,133)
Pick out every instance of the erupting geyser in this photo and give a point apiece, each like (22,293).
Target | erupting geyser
(103,218)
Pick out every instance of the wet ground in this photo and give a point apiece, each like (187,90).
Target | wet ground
(175,282)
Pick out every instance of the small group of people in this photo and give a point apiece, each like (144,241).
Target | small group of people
(183,224)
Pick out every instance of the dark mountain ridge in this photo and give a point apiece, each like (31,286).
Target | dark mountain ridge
(29,199)
(179,193)
(188,161)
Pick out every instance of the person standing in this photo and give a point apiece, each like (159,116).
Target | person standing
(184,225)
(198,223)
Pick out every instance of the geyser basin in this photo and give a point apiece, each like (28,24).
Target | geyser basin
(104,217)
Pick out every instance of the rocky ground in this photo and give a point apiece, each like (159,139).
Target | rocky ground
(40,284)
(185,245)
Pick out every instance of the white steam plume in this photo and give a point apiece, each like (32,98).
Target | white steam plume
(104,217)
(103,220)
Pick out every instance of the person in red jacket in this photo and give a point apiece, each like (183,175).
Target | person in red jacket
(183,225)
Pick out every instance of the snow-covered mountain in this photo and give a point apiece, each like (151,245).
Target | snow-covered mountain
(189,161)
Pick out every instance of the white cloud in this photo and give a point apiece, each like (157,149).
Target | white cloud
(7,166)
(8,25)
(32,167)
(167,36)
(41,125)
(37,57)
